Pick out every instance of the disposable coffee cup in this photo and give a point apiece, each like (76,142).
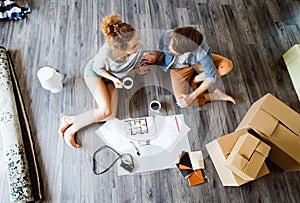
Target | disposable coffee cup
(50,79)
(128,83)
(155,106)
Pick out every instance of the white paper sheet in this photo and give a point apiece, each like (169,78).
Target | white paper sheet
(156,153)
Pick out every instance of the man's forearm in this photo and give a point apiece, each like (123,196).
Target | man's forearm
(202,88)
(158,54)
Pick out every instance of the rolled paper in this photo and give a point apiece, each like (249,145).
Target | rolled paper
(19,180)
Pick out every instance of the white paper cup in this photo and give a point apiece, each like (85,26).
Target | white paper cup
(50,79)
(155,106)
(128,83)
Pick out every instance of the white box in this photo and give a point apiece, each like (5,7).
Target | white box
(292,61)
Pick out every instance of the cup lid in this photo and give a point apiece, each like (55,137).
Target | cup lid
(45,73)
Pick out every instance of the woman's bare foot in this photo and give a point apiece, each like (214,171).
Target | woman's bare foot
(69,136)
(219,95)
(66,121)
(199,78)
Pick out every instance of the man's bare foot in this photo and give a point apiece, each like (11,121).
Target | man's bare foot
(219,95)
(69,137)
(199,78)
(66,121)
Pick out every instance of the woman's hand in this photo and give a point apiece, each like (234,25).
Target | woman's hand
(143,69)
(149,58)
(117,83)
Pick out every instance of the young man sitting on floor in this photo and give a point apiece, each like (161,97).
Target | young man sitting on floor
(185,53)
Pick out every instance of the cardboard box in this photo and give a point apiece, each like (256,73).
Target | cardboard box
(279,126)
(292,61)
(219,150)
(247,157)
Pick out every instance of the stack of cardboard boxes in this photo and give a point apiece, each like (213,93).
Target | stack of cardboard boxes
(270,129)
(238,157)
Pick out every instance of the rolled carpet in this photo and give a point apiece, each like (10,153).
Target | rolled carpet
(21,164)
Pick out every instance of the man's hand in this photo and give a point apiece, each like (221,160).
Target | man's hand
(149,58)
(185,100)
(143,69)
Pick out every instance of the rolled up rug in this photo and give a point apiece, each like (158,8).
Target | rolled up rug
(21,164)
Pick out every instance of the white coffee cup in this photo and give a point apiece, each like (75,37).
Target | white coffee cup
(155,106)
(128,83)
(50,79)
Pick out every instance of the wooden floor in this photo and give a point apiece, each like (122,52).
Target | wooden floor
(65,35)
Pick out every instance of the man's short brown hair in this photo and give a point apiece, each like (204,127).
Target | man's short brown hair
(186,39)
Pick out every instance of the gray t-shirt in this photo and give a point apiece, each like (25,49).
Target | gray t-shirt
(104,60)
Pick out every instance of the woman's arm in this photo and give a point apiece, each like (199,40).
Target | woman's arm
(117,82)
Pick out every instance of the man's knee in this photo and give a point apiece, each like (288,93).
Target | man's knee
(229,64)
(225,67)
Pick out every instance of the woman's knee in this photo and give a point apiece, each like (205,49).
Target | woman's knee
(104,113)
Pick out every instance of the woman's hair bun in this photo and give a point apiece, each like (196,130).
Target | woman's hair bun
(110,24)
(117,32)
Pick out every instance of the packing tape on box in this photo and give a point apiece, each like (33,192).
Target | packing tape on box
(21,164)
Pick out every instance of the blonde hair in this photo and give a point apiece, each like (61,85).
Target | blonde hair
(117,34)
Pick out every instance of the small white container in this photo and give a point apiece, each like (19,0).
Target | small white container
(50,79)
(155,106)
(128,83)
